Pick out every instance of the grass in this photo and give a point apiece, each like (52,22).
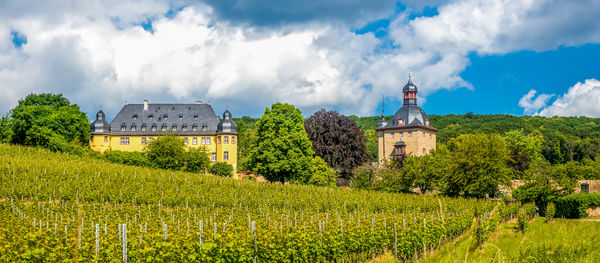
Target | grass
(562,240)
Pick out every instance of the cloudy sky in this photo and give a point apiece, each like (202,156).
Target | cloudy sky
(537,57)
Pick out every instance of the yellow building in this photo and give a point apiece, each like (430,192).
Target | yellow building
(409,131)
(138,124)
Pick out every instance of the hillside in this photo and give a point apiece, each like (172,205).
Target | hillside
(565,138)
(60,207)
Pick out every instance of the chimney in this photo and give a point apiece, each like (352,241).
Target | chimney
(198,102)
(145,104)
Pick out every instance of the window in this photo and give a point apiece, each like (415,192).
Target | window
(401,134)
(123,127)
(208,140)
(181,116)
(400,122)
(143,140)
(184,127)
(164,127)
(135,116)
(150,139)
(150,116)
(204,127)
(226,139)
(226,156)
(194,127)
(232,139)
(194,141)
(165,117)
(105,138)
(585,188)
(185,140)
(392,135)
(174,127)
(144,127)
(153,127)
(409,133)
(124,140)
(133,127)
(214,157)
(203,140)
(427,123)
(195,116)
(219,140)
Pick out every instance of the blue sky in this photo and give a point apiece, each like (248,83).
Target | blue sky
(534,57)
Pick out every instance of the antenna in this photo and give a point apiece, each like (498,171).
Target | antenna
(382,107)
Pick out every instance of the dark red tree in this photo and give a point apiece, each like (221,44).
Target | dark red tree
(337,140)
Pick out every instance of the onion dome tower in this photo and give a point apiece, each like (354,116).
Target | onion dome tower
(100,125)
(409,132)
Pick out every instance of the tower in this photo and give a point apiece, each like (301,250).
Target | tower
(409,131)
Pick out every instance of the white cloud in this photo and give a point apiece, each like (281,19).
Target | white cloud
(531,105)
(583,99)
(96,53)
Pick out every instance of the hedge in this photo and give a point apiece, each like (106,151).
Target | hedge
(575,205)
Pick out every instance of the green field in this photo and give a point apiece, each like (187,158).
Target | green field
(563,240)
(60,207)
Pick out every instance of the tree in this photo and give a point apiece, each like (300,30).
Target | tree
(322,175)
(5,129)
(282,151)
(246,138)
(523,149)
(221,169)
(426,171)
(337,140)
(196,159)
(55,117)
(364,176)
(166,152)
(478,165)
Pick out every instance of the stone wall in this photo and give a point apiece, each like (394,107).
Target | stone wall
(593,186)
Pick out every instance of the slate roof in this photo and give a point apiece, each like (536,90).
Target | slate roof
(100,125)
(410,113)
(202,116)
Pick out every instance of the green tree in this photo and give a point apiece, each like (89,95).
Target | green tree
(196,159)
(246,138)
(523,149)
(5,129)
(53,112)
(282,151)
(221,169)
(478,165)
(428,170)
(322,175)
(166,152)
(364,176)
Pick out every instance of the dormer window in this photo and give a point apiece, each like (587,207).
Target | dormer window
(154,127)
(194,127)
(204,127)
(165,117)
(400,122)
(164,127)
(135,116)
(174,127)
(150,116)
(184,127)
(123,127)
(144,127)
(181,116)
(427,123)
(133,127)
(195,116)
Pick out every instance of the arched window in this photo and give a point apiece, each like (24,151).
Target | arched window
(164,127)
(143,127)
(153,127)
(123,127)
(133,127)
(194,127)
(174,127)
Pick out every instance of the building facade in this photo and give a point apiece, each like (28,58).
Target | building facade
(408,133)
(138,124)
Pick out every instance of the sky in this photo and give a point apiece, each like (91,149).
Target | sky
(520,57)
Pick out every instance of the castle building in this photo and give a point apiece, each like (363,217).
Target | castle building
(408,133)
(138,124)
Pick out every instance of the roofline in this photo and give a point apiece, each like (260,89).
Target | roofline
(408,128)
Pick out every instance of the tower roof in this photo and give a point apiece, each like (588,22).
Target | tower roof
(410,86)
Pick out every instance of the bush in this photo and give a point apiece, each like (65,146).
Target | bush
(221,169)
(550,211)
(129,158)
(575,205)
(322,175)
(196,160)
(166,152)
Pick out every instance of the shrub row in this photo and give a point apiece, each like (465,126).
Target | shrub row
(575,205)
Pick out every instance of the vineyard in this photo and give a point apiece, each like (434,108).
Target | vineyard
(57,207)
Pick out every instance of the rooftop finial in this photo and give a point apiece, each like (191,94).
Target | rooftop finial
(382,107)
